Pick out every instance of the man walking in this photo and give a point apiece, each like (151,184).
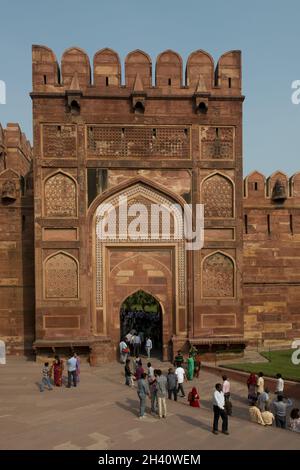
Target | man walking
(161,394)
(180,374)
(172,384)
(71,365)
(148,346)
(219,410)
(124,350)
(143,392)
(137,345)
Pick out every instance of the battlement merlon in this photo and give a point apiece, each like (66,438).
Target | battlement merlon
(74,73)
(276,188)
(15,149)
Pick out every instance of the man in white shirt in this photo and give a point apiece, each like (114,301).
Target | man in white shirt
(260,383)
(123,351)
(279,385)
(180,374)
(148,346)
(219,410)
(71,365)
(137,345)
(226,391)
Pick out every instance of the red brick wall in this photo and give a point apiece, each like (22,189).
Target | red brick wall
(271,261)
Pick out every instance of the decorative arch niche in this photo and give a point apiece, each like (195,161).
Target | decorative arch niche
(60,196)
(218,274)
(142,194)
(61,276)
(217,196)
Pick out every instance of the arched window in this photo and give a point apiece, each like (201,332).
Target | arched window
(61,277)
(217,196)
(60,198)
(218,276)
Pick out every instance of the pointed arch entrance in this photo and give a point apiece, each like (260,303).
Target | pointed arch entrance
(121,266)
(141,313)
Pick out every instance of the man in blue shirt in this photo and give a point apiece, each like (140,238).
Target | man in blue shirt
(71,366)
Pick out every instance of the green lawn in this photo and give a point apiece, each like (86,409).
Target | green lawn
(279,362)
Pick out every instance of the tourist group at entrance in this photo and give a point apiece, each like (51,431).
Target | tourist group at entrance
(153,385)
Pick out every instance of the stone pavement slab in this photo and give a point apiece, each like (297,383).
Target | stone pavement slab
(102,414)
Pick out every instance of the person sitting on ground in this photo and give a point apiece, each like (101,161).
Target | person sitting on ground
(263,400)
(295,420)
(255,413)
(279,385)
(280,408)
(172,384)
(268,417)
(193,398)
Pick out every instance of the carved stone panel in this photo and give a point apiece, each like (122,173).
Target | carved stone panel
(218,276)
(217,143)
(217,196)
(60,196)
(139,142)
(61,277)
(59,141)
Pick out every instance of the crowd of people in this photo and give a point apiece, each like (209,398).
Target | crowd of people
(53,375)
(152,383)
(265,411)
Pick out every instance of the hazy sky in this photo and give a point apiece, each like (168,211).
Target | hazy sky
(267,32)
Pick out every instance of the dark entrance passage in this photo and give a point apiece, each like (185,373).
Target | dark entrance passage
(141,313)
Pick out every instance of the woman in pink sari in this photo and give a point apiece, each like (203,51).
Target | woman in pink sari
(57,369)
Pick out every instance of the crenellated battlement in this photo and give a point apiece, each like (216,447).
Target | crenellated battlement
(13,137)
(74,72)
(15,149)
(276,188)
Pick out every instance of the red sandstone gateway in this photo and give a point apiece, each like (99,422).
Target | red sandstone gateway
(172,142)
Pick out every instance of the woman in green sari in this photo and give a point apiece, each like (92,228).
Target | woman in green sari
(190,367)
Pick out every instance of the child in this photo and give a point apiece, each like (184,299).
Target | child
(194,398)
(136,362)
(128,374)
(45,377)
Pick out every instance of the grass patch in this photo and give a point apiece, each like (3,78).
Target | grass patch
(279,362)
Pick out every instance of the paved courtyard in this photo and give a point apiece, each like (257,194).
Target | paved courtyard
(102,413)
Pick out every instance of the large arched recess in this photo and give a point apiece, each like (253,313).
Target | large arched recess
(157,267)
